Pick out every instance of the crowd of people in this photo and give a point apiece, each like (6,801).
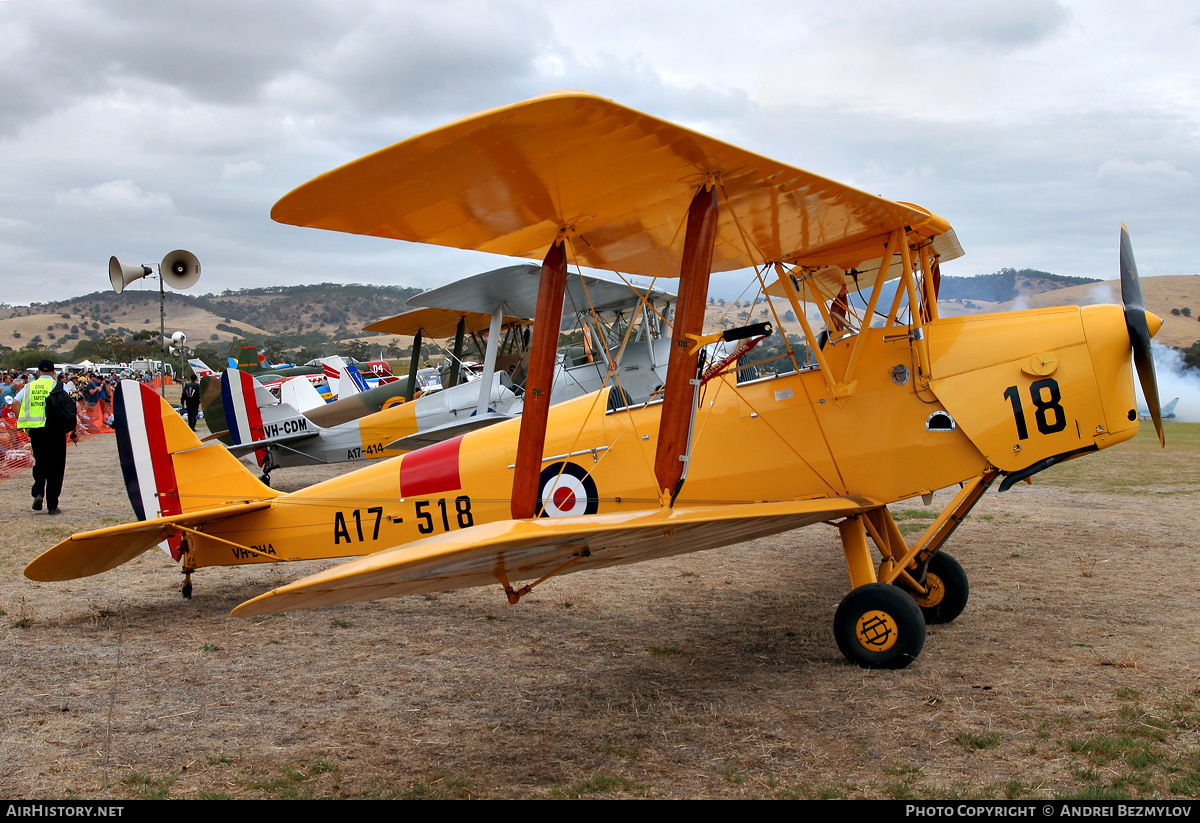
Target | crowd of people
(93,394)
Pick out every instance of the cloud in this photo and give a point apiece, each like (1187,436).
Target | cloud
(1034,126)
(123,196)
(248,168)
(1151,172)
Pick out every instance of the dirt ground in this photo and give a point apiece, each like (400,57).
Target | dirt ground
(1071,673)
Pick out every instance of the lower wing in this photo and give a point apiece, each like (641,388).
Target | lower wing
(512,550)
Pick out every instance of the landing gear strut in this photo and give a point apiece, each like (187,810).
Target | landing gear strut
(881,623)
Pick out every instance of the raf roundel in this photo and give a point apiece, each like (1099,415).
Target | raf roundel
(566,490)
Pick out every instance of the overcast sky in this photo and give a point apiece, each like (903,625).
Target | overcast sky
(1036,127)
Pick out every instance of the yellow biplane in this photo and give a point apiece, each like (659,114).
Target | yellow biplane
(898,402)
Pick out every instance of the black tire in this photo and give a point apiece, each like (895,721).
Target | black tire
(948,590)
(266,479)
(878,626)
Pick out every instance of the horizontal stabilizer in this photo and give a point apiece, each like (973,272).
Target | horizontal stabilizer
(93,552)
(287,438)
(530,549)
(447,431)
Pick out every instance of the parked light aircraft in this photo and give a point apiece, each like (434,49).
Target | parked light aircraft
(272,375)
(200,368)
(1167,412)
(892,412)
(282,434)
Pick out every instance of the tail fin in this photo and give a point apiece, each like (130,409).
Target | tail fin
(167,470)
(242,401)
(200,368)
(349,379)
(254,416)
(300,394)
(248,357)
(356,377)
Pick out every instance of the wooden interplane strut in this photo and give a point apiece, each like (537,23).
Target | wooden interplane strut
(543,349)
(679,393)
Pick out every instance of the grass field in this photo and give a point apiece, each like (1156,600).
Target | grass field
(1071,673)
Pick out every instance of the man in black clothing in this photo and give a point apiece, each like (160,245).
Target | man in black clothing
(47,435)
(191,399)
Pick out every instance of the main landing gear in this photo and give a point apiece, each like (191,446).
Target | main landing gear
(881,623)
(268,466)
(879,626)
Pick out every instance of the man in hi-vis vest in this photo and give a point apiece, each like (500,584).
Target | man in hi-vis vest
(48,443)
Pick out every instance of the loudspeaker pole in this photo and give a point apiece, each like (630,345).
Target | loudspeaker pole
(162,336)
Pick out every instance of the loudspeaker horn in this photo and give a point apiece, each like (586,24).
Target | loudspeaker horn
(121,275)
(178,339)
(180,269)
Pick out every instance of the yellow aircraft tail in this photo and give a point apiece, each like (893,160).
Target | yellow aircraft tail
(167,469)
(174,482)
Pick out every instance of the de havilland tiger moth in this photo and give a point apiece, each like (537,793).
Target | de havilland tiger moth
(899,403)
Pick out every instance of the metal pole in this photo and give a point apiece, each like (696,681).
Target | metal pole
(162,335)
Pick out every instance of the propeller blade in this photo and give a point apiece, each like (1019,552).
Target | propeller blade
(1131,286)
(1139,331)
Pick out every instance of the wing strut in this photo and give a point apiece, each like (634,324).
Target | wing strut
(413,364)
(543,351)
(459,333)
(489,358)
(679,393)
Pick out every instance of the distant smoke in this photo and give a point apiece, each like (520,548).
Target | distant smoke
(1103,293)
(1173,381)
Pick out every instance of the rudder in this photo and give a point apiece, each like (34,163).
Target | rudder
(167,470)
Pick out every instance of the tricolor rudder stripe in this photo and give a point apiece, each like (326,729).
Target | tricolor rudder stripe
(241,408)
(355,377)
(142,447)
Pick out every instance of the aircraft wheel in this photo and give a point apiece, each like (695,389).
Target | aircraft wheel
(879,626)
(948,590)
(266,479)
(186,591)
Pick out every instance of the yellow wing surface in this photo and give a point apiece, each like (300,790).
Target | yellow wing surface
(618,181)
(93,552)
(530,549)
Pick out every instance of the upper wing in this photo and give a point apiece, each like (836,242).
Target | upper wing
(516,289)
(530,549)
(618,180)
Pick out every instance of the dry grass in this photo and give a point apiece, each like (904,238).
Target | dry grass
(710,675)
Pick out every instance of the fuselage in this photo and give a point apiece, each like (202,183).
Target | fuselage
(1005,390)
